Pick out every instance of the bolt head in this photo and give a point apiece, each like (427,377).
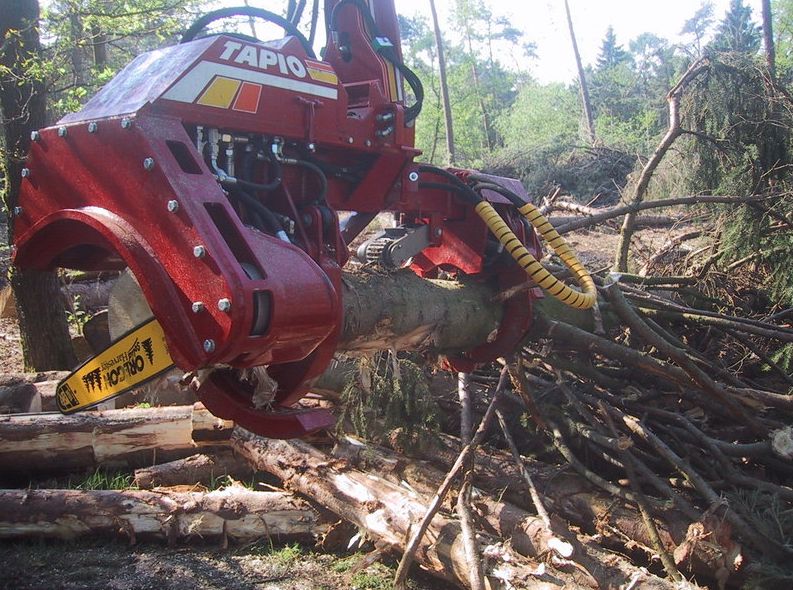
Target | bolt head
(413,176)
(93,127)
(368,143)
(224,305)
(312,147)
(17,211)
(173,206)
(350,140)
(209,346)
(25,172)
(35,136)
(63,132)
(198,306)
(199,251)
(126,123)
(148,164)
(439,232)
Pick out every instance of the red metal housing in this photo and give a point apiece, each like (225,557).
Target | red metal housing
(132,181)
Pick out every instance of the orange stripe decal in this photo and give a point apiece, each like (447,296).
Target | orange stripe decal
(248,98)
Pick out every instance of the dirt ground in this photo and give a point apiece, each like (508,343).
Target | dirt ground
(109,565)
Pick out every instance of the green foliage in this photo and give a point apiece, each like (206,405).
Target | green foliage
(104,480)
(377,576)
(482,88)
(611,53)
(542,116)
(77,317)
(736,109)
(697,26)
(86,42)
(582,172)
(389,393)
(737,32)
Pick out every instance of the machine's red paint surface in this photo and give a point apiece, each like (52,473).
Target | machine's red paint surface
(122,183)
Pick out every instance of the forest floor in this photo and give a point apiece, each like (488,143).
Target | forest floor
(110,565)
(113,564)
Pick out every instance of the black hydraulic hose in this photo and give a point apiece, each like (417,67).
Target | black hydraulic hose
(270,220)
(252,11)
(323,180)
(413,111)
(460,187)
(501,190)
(487,183)
(247,168)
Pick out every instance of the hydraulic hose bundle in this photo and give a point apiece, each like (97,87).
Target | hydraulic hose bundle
(584,299)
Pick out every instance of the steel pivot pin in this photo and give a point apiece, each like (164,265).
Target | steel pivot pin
(199,251)
(224,305)
(173,206)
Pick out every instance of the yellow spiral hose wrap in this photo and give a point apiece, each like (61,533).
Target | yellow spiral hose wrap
(584,299)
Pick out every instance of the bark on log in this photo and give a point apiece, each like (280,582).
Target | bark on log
(384,510)
(196,469)
(52,443)
(402,311)
(399,310)
(526,532)
(233,513)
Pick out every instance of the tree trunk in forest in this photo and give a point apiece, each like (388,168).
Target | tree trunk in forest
(768,39)
(582,83)
(233,513)
(99,44)
(447,105)
(76,42)
(42,318)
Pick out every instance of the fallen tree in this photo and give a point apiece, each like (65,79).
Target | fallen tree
(386,512)
(199,469)
(53,444)
(233,513)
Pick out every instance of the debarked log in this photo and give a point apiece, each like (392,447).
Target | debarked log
(386,512)
(526,532)
(233,513)
(53,444)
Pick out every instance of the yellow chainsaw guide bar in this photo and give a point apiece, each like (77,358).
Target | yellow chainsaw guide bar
(130,361)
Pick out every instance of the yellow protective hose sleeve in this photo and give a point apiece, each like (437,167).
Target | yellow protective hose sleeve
(584,299)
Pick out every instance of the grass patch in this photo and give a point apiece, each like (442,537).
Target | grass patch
(103,480)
